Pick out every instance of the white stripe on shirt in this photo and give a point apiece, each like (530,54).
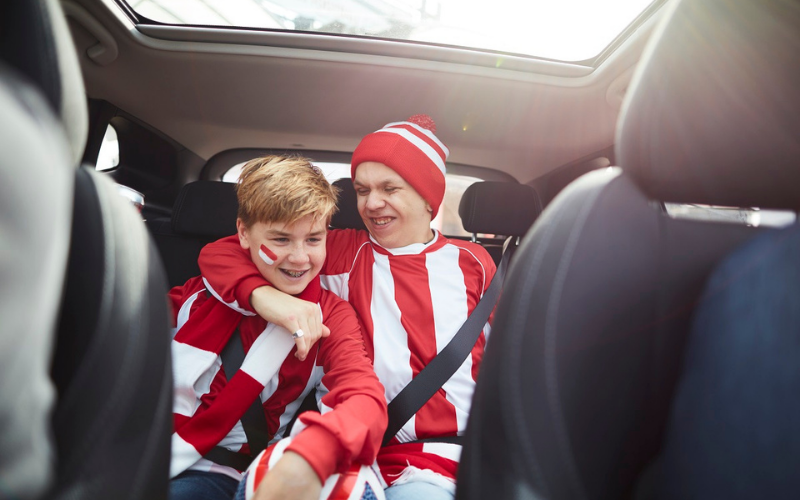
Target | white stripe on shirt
(450,311)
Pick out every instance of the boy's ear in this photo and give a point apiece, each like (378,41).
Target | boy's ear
(243,233)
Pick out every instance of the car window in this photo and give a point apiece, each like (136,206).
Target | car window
(447,220)
(108,158)
(737,215)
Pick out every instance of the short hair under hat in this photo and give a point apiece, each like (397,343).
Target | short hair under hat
(411,149)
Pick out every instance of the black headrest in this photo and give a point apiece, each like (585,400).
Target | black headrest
(207,209)
(504,208)
(713,113)
(347,217)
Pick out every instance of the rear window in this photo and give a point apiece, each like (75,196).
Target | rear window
(447,220)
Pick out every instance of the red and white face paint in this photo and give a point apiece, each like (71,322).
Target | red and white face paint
(267,255)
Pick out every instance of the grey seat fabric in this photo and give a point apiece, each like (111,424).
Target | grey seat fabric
(86,382)
(586,350)
(33,256)
(36,179)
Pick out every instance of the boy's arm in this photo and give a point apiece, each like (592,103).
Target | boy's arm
(232,278)
(230,274)
(353,419)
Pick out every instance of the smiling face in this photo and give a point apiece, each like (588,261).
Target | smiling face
(395,214)
(297,251)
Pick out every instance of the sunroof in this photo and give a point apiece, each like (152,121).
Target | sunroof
(566,30)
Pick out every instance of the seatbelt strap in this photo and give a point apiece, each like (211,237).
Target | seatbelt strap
(444,365)
(253,421)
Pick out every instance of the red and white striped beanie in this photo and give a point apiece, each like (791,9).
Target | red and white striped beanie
(411,149)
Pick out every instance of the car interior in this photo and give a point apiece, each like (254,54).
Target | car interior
(620,179)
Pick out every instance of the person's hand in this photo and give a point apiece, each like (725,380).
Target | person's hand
(291,478)
(291,313)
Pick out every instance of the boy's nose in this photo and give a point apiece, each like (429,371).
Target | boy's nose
(298,255)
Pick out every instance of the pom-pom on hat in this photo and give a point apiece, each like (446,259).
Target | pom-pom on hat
(411,149)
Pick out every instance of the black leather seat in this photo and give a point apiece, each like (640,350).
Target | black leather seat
(347,217)
(499,208)
(587,347)
(94,300)
(203,212)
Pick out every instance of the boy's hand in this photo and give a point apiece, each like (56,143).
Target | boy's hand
(291,478)
(291,313)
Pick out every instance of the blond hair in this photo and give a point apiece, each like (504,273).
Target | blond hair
(284,189)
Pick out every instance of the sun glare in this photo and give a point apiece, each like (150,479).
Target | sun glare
(567,30)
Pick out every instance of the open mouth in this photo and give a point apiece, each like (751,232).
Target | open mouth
(381,221)
(293,274)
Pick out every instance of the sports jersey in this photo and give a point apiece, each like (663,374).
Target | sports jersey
(208,407)
(411,301)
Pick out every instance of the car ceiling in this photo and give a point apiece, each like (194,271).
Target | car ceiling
(213,90)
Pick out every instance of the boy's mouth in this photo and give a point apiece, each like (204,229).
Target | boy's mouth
(293,274)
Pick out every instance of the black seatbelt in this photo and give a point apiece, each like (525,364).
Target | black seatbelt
(253,421)
(444,365)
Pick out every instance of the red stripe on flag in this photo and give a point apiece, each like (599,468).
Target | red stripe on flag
(345,484)
(262,467)
(267,255)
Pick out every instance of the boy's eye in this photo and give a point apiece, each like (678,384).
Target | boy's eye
(280,240)
(314,240)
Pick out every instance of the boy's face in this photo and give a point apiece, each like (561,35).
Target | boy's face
(296,251)
(395,214)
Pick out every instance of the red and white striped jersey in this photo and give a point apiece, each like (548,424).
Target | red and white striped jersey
(411,301)
(208,407)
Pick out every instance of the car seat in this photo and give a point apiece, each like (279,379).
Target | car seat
(347,216)
(587,345)
(86,289)
(203,212)
(499,208)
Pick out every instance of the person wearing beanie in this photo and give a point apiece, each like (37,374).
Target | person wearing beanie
(411,286)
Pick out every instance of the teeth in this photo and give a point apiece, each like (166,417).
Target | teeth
(382,221)
(294,274)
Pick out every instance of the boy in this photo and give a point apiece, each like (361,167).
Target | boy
(411,287)
(285,205)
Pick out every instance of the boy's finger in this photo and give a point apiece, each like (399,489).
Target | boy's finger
(315,329)
(317,326)
(302,349)
(301,342)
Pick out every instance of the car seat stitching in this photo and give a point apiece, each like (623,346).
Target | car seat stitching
(516,415)
(550,336)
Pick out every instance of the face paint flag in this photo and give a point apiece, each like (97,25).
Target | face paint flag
(267,255)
